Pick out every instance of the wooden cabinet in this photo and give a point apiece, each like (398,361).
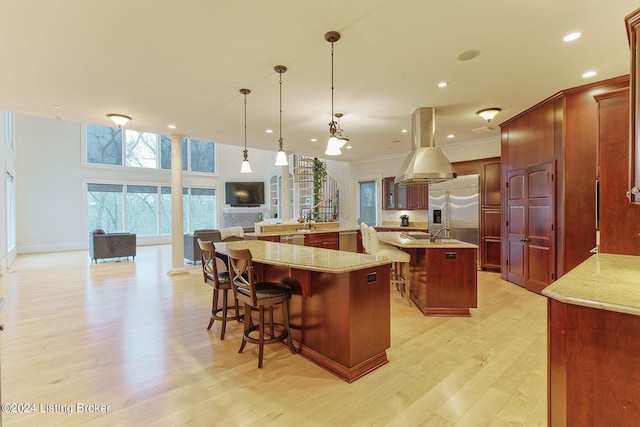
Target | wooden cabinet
(593,371)
(323,240)
(404,197)
(270,238)
(491,217)
(530,222)
(563,131)
(619,220)
(633,31)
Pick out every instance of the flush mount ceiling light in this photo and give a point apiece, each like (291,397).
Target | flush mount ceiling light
(119,119)
(333,145)
(281,158)
(246,167)
(488,113)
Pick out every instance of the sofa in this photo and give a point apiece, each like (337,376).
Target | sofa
(111,245)
(191,247)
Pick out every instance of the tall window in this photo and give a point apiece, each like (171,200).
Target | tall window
(130,148)
(11,213)
(142,210)
(368,202)
(106,207)
(142,149)
(104,145)
(165,153)
(146,209)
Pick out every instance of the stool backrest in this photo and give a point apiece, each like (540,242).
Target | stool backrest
(374,244)
(242,274)
(208,257)
(364,231)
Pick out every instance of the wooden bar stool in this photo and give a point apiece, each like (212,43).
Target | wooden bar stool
(259,296)
(219,281)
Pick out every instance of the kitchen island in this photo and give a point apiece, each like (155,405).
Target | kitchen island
(593,343)
(340,314)
(442,275)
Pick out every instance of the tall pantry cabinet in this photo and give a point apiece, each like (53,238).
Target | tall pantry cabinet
(548,168)
(619,219)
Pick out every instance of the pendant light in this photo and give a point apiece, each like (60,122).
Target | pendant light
(246,167)
(334,144)
(281,158)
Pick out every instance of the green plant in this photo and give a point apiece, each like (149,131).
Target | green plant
(319,181)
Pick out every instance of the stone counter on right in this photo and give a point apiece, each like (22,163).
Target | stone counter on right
(594,343)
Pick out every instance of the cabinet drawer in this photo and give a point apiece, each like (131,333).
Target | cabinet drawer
(322,240)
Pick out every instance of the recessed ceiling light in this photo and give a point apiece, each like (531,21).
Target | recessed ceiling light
(589,74)
(314,140)
(572,36)
(348,147)
(442,84)
(404,131)
(450,136)
(171,126)
(55,106)
(269,131)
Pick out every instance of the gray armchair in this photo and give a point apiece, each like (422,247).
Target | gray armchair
(111,245)
(191,247)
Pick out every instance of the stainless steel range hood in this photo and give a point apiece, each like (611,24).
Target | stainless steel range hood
(426,163)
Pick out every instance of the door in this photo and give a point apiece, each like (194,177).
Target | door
(530,227)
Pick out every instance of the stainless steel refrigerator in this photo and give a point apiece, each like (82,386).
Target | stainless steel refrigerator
(454,205)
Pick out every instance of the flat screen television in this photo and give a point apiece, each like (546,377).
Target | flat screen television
(248,194)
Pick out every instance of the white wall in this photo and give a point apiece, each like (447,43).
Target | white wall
(51,178)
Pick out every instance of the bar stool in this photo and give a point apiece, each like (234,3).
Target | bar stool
(219,281)
(399,258)
(259,296)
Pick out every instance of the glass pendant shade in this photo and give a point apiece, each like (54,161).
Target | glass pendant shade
(246,167)
(281,158)
(333,147)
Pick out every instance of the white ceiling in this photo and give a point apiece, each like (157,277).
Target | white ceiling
(183,62)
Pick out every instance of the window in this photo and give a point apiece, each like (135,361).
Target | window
(202,156)
(142,149)
(368,202)
(165,210)
(104,145)
(142,210)
(106,207)
(11,213)
(202,202)
(147,211)
(165,153)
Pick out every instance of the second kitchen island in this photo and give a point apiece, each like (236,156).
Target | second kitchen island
(442,275)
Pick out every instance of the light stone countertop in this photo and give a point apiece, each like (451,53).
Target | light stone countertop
(604,281)
(285,232)
(304,257)
(396,238)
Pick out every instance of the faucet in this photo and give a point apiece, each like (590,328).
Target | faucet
(433,237)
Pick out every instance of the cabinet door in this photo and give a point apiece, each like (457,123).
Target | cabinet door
(491,238)
(418,196)
(402,196)
(491,187)
(531,235)
(388,194)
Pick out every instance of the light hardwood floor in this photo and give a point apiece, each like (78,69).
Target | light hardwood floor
(127,335)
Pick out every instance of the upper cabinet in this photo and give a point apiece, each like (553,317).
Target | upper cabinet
(404,197)
(633,29)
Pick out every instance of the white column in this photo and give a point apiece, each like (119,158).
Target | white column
(177,231)
(286,200)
